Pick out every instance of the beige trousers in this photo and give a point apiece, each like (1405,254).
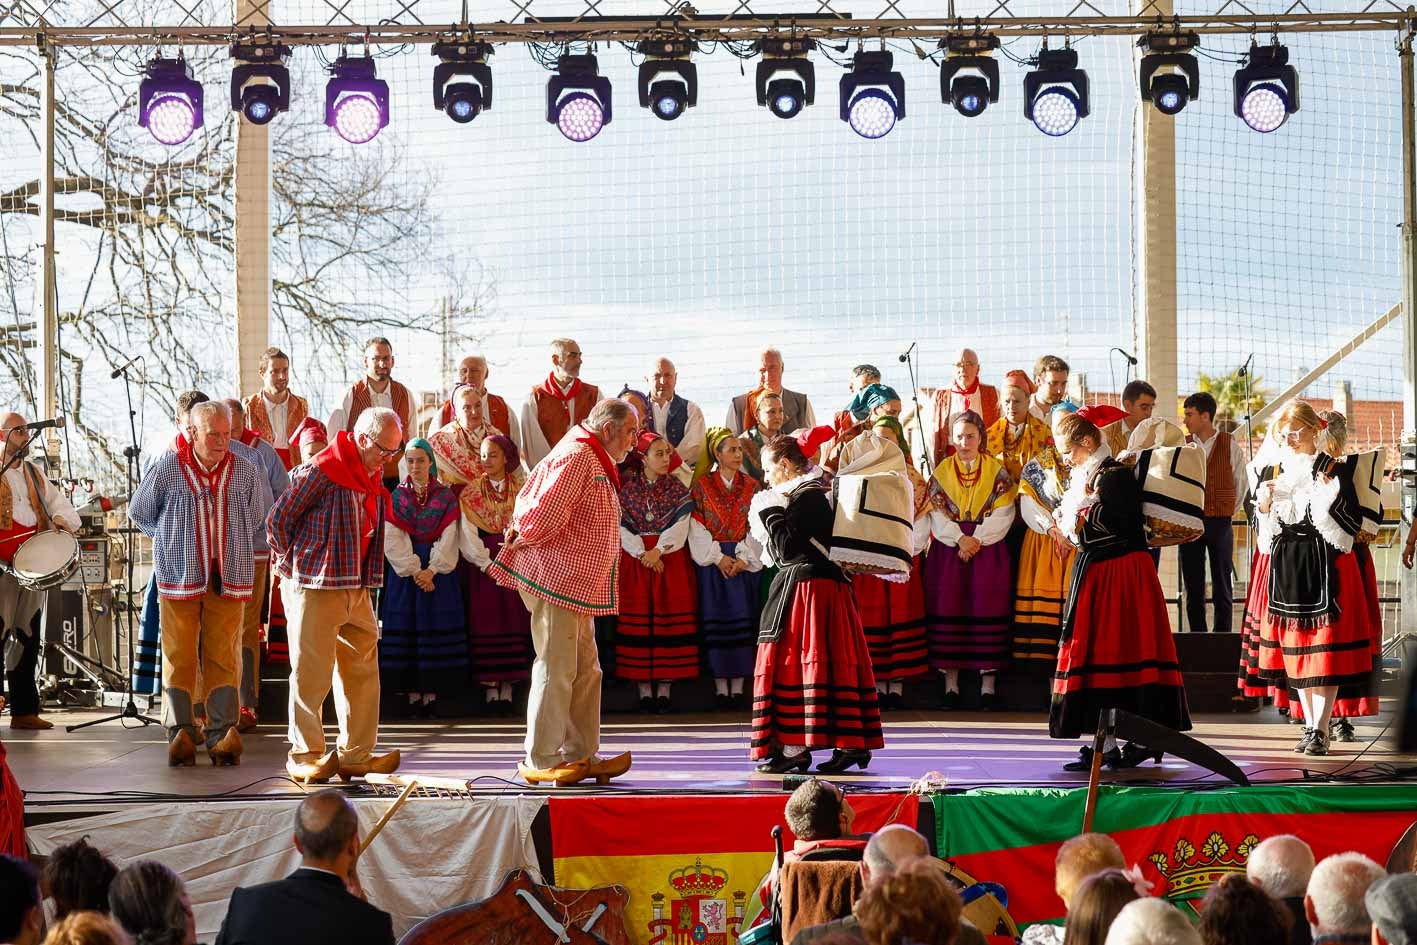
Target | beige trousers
(333,638)
(201,635)
(563,708)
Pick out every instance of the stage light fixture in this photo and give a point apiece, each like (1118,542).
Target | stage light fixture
(1266,88)
(578,98)
(872,95)
(969,76)
(356,100)
(786,80)
(1055,94)
(668,82)
(462,81)
(260,82)
(169,101)
(1170,75)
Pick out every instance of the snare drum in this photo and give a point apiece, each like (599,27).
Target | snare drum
(45,560)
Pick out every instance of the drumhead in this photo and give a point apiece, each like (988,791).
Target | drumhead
(44,554)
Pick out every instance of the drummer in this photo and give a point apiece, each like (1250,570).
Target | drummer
(25,494)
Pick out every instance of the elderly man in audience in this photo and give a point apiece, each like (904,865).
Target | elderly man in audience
(557,404)
(820,817)
(743,413)
(679,421)
(473,373)
(1281,866)
(322,901)
(1078,858)
(915,905)
(1333,901)
(1392,905)
(21,908)
(1152,921)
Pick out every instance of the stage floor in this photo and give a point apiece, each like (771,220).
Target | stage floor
(111,763)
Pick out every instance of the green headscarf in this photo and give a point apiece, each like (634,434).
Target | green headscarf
(892,424)
(419,443)
(713,439)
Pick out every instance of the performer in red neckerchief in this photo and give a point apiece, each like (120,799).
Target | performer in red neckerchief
(273,411)
(556,404)
(966,392)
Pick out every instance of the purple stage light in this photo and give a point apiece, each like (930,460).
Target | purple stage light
(169,101)
(356,102)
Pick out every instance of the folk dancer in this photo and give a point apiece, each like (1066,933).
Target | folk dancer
(457,446)
(1014,439)
(966,393)
(473,372)
(768,425)
(557,404)
(274,412)
(743,412)
(1138,402)
(376,388)
(1050,385)
(678,420)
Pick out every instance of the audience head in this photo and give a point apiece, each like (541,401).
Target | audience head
(1392,905)
(1151,921)
(863,376)
(819,810)
(274,368)
(915,905)
(1298,426)
(87,928)
(1281,866)
(1333,900)
(1095,905)
(378,434)
(770,369)
(614,424)
(151,904)
(891,845)
(327,832)
(473,372)
(77,876)
(21,916)
(378,358)
(565,359)
(1138,400)
(1081,857)
(1237,912)
(1050,379)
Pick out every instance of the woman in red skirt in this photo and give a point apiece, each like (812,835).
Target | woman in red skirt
(1251,684)
(1316,635)
(656,634)
(1116,650)
(812,683)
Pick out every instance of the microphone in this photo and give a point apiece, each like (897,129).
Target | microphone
(906,356)
(57,423)
(1130,360)
(102,503)
(113,375)
(1245,368)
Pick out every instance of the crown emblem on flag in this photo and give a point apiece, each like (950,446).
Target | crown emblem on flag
(1189,872)
(698,880)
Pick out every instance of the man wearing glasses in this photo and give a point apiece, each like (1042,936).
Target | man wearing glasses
(326,534)
(967,392)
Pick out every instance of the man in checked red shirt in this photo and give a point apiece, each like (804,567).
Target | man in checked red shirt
(561,554)
(326,534)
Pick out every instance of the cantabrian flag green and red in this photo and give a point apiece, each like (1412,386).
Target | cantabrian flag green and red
(1183,840)
(692,863)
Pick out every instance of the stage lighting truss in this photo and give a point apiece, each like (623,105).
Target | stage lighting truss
(1055,94)
(462,81)
(786,81)
(356,100)
(578,98)
(872,95)
(1267,88)
(169,101)
(668,82)
(1170,75)
(260,82)
(969,76)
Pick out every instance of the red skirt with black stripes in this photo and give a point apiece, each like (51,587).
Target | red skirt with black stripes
(813,686)
(1340,653)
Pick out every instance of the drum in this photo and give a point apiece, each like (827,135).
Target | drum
(46,560)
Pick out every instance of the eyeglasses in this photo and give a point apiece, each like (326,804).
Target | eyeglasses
(1292,435)
(382,450)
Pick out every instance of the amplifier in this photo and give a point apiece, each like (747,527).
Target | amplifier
(92,571)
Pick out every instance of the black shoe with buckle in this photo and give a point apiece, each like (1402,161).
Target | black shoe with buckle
(1133,754)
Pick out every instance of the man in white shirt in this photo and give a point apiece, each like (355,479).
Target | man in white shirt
(1050,382)
(273,411)
(556,404)
(1225,485)
(376,388)
(678,420)
(797,412)
(473,372)
(29,504)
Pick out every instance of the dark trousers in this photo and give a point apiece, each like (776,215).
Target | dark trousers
(1217,545)
(19,682)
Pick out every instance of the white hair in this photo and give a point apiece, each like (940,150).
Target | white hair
(475,357)
(560,345)
(465,392)
(772,351)
(200,413)
(611,410)
(374,421)
(1281,866)
(1152,921)
(1336,890)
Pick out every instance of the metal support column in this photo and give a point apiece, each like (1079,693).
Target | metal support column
(1409,307)
(253,230)
(47,285)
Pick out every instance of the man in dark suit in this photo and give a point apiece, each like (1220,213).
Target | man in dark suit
(319,903)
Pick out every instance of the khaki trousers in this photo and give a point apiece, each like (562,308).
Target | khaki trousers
(563,708)
(333,637)
(203,635)
(251,640)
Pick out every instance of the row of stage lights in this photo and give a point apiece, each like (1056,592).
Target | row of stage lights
(578,98)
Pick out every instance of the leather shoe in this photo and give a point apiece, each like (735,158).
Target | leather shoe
(247,721)
(227,752)
(661,705)
(647,705)
(990,702)
(949,701)
(782,764)
(313,772)
(181,751)
(31,722)
(562,775)
(1110,759)
(843,760)
(386,763)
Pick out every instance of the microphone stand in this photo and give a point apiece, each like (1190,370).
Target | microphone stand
(925,468)
(131,453)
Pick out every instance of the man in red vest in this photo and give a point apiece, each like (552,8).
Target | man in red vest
(1225,483)
(556,404)
(967,392)
(273,411)
(376,388)
(473,372)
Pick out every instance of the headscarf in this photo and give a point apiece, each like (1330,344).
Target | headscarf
(1020,379)
(1062,406)
(812,440)
(1101,415)
(713,439)
(647,439)
(509,450)
(309,431)
(869,398)
(896,430)
(419,443)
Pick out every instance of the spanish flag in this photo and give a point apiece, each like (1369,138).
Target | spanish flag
(692,863)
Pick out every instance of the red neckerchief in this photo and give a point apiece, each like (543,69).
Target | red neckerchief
(550,387)
(600,454)
(968,395)
(341,463)
(188,457)
(249,437)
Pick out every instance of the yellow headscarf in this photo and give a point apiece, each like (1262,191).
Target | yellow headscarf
(713,439)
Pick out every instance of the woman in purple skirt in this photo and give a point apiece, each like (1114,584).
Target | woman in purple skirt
(968,574)
(498,625)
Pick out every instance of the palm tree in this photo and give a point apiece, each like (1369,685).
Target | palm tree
(1229,393)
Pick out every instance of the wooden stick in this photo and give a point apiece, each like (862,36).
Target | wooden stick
(408,790)
(1094,777)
